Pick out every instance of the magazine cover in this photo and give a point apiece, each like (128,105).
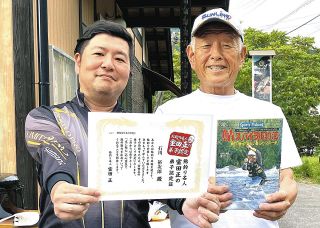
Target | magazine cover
(248,159)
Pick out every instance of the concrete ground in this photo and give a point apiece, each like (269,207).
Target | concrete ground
(305,212)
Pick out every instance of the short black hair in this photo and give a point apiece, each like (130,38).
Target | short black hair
(108,27)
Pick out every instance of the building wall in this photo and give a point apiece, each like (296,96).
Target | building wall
(137,89)
(133,97)
(63,31)
(63,24)
(63,27)
(137,94)
(35,49)
(7,101)
(87,12)
(137,50)
(23,51)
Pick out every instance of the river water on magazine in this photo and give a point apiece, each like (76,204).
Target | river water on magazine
(247,193)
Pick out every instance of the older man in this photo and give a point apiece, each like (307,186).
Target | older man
(216,54)
(57,138)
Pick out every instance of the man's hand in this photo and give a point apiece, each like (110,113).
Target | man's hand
(278,203)
(222,193)
(275,208)
(203,210)
(72,201)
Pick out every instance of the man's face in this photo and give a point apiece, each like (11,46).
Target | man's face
(104,66)
(216,57)
(252,158)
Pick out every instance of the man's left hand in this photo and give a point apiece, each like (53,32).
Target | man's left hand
(278,203)
(203,210)
(275,207)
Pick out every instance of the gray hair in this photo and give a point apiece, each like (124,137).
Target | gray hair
(239,43)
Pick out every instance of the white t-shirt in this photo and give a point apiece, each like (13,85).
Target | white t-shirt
(237,106)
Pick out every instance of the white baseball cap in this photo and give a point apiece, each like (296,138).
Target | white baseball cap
(251,153)
(220,15)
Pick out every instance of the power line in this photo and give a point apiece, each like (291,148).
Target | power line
(251,6)
(302,24)
(286,28)
(264,27)
(258,4)
(293,12)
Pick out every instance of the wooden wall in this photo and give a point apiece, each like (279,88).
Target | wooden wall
(87,12)
(35,51)
(22,12)
(63,31)
(15,75)
(137,50)
(63,24)
(7,101)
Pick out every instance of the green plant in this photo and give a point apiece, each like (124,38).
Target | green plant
(317,151)
(309,171)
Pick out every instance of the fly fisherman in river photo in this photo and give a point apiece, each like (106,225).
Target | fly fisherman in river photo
(255,169)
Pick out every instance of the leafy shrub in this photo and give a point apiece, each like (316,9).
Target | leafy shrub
(309,171)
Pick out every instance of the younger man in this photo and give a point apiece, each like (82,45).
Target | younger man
(57,139)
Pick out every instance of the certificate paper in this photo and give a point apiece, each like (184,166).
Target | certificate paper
(148,156)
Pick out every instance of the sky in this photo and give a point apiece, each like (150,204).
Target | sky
(283,15)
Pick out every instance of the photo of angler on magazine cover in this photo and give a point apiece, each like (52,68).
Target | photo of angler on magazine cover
(248,159)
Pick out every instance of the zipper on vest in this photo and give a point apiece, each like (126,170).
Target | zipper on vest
(122,213)
(102,214)
(78,183)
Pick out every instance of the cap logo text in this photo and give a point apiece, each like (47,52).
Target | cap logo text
(216,14)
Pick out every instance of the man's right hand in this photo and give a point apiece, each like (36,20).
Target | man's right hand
(72,201)
(222,192)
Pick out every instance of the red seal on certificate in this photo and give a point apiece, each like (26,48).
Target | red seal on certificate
(180,144)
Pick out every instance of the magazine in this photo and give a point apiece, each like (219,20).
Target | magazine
(248,159)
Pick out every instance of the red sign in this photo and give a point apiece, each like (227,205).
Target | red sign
(180,144)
